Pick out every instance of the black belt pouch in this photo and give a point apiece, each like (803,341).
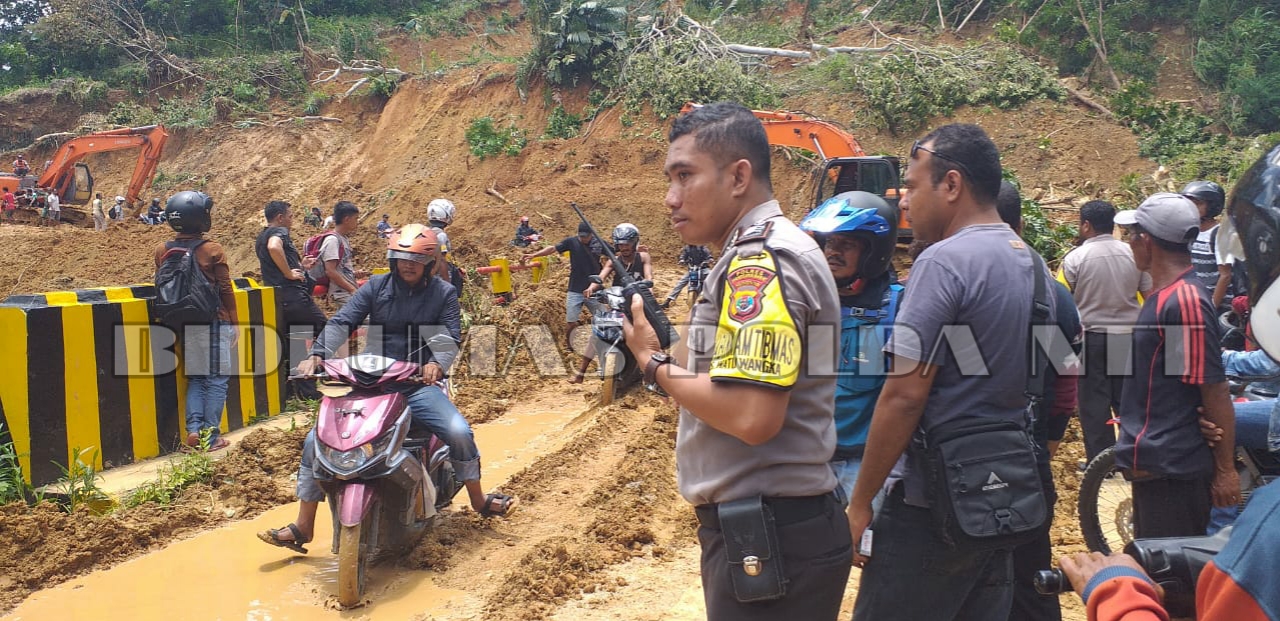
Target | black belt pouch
(752,550)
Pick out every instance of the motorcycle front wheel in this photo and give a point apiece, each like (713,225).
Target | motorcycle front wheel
(355,548)
(1105,505)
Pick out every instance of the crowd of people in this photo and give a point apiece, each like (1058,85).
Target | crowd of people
(937,448)
(833,415)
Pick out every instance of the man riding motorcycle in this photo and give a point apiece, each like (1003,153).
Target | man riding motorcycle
(415,317)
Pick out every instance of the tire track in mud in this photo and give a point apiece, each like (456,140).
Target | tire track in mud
(605,497)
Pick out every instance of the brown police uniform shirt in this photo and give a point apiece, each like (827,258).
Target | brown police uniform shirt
(213,262)
(751,325)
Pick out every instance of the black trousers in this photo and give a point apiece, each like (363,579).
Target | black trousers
(1100,392)
(1171,507)
(300,320)
(816,554)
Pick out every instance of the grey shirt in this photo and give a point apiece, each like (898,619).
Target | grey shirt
(967,310)
(1105,282)
(329,251)
(752,325)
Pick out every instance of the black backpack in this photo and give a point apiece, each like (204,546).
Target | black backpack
(184,295)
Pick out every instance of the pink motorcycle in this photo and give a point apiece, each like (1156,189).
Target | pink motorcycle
(384,481)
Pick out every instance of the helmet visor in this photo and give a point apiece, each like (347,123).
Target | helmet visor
(409,256)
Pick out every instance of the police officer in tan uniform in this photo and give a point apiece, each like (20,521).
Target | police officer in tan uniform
(757,390)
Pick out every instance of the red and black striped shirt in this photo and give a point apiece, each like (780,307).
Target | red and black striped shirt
(1175,351)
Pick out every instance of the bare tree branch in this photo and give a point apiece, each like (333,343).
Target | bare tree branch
(367,68)
(1098,44)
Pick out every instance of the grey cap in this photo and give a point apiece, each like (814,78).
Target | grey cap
(1171,217)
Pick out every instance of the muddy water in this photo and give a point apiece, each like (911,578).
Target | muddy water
(228,574)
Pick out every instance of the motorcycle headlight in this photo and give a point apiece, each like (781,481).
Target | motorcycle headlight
(348,461)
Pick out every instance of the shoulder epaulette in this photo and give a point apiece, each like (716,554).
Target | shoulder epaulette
(756,232)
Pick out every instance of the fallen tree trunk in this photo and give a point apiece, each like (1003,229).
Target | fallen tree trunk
(1084,99)
(815,49)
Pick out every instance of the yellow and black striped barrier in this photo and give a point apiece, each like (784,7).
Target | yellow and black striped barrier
(87,370)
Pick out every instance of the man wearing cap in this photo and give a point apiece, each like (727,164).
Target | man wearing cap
(1177,478)
(584,262)
(384,226)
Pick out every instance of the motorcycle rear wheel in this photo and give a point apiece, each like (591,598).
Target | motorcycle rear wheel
(353,560)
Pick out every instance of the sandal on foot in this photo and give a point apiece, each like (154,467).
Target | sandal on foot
(505,505)
(219,444)
(272,536)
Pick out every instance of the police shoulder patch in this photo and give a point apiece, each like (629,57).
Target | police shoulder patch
(756,337)
(747,284)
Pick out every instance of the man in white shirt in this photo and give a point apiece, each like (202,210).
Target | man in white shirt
(1105,281)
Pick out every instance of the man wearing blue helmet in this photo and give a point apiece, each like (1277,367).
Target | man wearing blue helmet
(856,231)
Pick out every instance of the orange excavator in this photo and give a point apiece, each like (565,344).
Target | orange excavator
(69,177)
(845,165)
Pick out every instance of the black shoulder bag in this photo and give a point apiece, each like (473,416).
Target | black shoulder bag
(984,486)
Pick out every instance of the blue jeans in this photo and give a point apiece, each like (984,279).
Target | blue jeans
(573,302)
(1257,427)
(430,408)
(846,471)
(206,359)
(914,576)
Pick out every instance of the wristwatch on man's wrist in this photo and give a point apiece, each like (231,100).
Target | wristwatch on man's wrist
(651,371)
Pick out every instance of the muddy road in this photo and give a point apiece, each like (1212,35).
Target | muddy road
(600,534)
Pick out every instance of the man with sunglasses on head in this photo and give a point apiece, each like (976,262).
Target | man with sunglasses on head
(971,288)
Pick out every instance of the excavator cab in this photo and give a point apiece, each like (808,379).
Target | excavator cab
(878,175)
(81,188)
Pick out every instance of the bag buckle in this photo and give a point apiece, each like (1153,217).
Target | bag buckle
(752,565)
(1004,520)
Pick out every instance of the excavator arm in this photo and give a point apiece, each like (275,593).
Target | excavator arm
(845,165)
(60,175)
(788,129)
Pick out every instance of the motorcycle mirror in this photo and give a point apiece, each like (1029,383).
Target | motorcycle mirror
(595,278)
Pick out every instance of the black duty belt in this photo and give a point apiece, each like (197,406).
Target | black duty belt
(786,509)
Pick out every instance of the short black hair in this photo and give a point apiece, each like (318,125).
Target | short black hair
(1100,214)
(344,210)
(969,144)
(1009,205)
(1163,244)
(275,209)
(728,132)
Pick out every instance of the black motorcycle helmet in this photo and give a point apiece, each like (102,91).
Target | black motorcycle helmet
(1209,192)
(189,212)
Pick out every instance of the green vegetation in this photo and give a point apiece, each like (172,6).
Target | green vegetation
(668,72)
(562,124)
(194,467)
(1241,57)
(905,90)
(78,486)
(574,40)
(1051,240)
(13,487)
(486,140)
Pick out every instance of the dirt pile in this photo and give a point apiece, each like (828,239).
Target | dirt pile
(45,545)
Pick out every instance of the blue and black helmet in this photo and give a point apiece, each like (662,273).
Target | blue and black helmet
(864,215)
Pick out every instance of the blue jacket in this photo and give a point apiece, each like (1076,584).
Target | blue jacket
(862,368)
(419,324)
